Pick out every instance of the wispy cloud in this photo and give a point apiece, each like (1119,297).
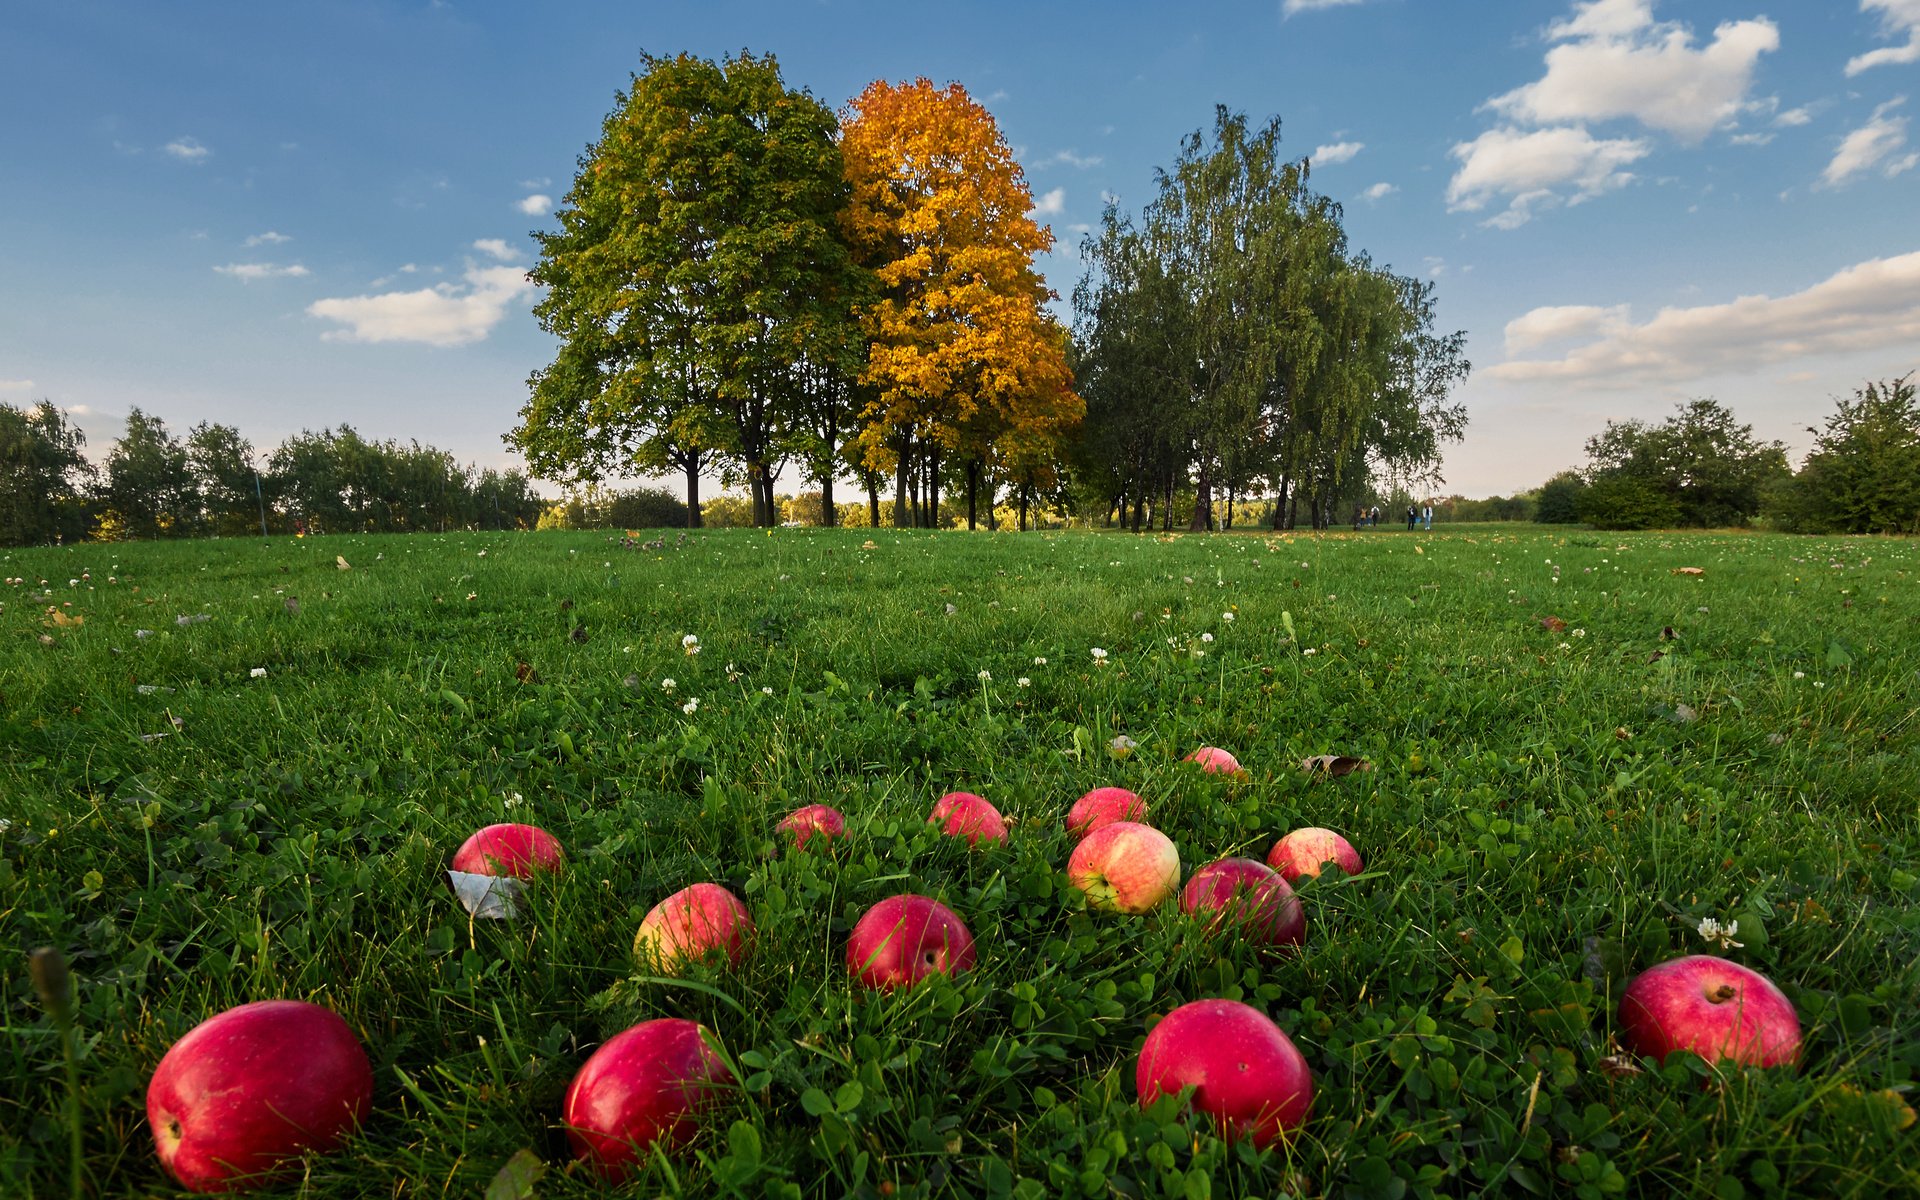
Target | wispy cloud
(249,272)
(1069,158)
(1794,117)
(269,238)
(187,149)
(497,248)
(1051,204)
(1873,305)
(1896,17)
(1868,146)
(16,385)
(1290,7)
(1533,169)
(537,205)
(1338,152)
(447,315)
(1378,192)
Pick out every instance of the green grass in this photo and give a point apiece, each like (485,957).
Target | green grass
(1551,810)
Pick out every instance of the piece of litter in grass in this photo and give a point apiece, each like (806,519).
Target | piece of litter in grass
(488,897)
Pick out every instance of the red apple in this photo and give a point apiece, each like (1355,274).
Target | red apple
(1244,1071)
(947,803)
(971,817)
(253,1086)
(1215,761)
(698,922)
(904,939)
(645,1085)
(1104,806)
(1248,896)
(1125,866)
(814,819)
(1307,851)
(1715,1008)
(515,850)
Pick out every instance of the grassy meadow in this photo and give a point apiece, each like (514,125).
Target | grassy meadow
(235,770)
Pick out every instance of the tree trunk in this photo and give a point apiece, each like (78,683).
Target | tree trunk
(828,516)
(693,491)
(1203,498)
(1280,506)
(1023,507)
(902,481)
(1232,493)
(873,502)
(933,488)
(973,489)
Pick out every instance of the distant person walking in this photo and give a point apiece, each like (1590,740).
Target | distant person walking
(1413,515)
(1375,514)
(1428,514)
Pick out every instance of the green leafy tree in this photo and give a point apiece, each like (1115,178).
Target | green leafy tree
(1699,467)
(697,283)
(1558,502)
(148,489)
(1863,474)
(231,494)
(42,475)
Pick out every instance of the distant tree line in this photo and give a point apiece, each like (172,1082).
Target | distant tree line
(1701,468)
(153,483)
(740,281)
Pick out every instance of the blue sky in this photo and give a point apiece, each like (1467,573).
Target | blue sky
(289,216)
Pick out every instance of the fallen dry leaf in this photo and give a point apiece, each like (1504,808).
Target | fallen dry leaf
(1688,571)
(1619,1066)
(1335,764)
(525,673)
(340,560)
(1552,624)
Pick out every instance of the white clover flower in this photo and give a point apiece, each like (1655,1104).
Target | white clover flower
(1040,662)
(667,685)
(482,554)
(1579,633)
(1206,637)
(766,691)
(692,706)
(1799,674)
(1023,681)
(1310,650)
(985,676)
(691,644)
(733,673)
(1817,683)
(1227,617)
(1565,646)
(1713,931)
(512,799)
(1122,745)
(1099,657)
(257,673)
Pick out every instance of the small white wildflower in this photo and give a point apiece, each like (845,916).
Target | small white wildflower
(1579,633)
(482,554)
(667,685)
(1702,608)
(1713,931)
(473,595)
(1121,746)
(691,707)
(257,673)
(512,799)
(1206,637)
(985,676)
(1099,657)
(1040,662)
(1566,646)
(733,673)
(1227,617)
(1023,681)
(1199,653)
(1818,684)
(1799,674)
(1310,650)
(766,691)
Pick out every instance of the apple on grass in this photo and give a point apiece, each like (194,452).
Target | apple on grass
(1215,761)
(815,820)
(1718,1009)
(1247,895)
(965,815)
(511,850)
(645,1085)
(703,921)
(1125,866)
(1307,851)
(250,1088)
(1104,806)
(1244,1071)
(903,939)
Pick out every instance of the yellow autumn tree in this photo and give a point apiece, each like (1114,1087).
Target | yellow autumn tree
(963,359)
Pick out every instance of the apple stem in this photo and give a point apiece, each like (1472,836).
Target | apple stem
(1722,994)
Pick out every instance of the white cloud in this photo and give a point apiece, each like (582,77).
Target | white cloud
(1795,116)
(1529,167)
(1615,61)
(269,238)
(1751,139)
(1299,6)
(1069,158)
(496,247)
(248,272)
(447,315)
(1863,149)
(187,149)
(1378,192)
(16,385)
(1051,204)
(1338,152)
(536,205)
(1871,306)
(1896,17)
(80,410)
(1553,324)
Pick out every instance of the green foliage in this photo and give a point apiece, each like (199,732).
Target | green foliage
(42,475)
(1863,474)
(1697,468)
(336,481)
(1559,499)
(1549,812)
(149,489)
